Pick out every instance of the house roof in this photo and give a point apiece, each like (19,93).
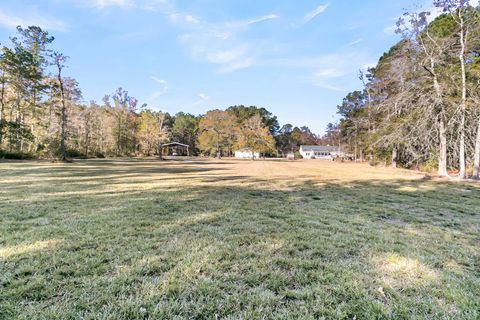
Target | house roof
(320,148)
(245,150)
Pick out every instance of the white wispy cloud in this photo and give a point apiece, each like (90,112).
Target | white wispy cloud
(390,30)
(219,43)
(330,76)
(158,5)
(148,5)
(201,101)
(204,97)
(245,23)
(332,71)
(163,85)
(312,14)
(216,48)
(101,4)
(132,35)
(263,18)
(359,40)
(330,87)
(30,18)
(191,19)
(239,64)
(228,55)
(161,90)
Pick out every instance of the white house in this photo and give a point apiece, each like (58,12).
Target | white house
(246,154)
(321,152)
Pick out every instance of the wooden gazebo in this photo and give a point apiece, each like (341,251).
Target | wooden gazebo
(175,149)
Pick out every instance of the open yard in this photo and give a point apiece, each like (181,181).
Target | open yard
(214,239)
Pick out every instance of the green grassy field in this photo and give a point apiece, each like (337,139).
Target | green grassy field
(211,239)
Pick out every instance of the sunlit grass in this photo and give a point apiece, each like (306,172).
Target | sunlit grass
(207,239)
(26,248)
(401,272)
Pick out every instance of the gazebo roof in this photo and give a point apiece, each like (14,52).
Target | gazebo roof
(175,144)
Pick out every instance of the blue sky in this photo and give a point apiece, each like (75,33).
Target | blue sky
(296,58)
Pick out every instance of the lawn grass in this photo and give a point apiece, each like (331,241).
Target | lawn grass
(224,239)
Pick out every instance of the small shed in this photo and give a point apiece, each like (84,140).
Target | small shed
(246,154)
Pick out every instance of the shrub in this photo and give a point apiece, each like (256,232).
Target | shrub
(298,155)
(15,155)
(73,153)
(432,163)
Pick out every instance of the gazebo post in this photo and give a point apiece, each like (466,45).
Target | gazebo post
(160,152)
(176,146)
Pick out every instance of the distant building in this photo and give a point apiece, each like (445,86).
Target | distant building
(175,149)
(246,154)
(321,152)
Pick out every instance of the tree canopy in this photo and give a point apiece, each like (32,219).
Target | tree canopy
(419,105)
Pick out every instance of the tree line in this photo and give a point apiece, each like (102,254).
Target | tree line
(419,106)
(42,115)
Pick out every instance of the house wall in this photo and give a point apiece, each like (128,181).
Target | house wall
(305,155)
(246,155)
(317,155)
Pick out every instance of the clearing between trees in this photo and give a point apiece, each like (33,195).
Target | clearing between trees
(206,239)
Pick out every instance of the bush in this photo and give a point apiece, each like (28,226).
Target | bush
(298,155)
(73,153)
(15,155)
(432,163)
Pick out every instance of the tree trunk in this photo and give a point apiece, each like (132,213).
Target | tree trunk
(356,147)
(442,155)
(17,121)
(119,137)
(442,131)
(87,138)
(476,164)
(63,151)
(2,111)
(22,121)
(218,147)
(394,157)
(462,174)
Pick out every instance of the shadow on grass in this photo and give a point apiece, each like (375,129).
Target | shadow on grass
(218,246)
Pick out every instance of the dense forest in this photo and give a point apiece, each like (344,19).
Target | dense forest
(419,106)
